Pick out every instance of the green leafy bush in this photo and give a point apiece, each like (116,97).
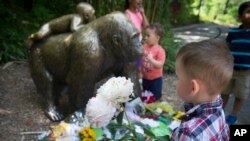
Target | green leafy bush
(171,49)
(13,34)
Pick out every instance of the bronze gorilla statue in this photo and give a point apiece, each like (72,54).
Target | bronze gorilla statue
(76,61)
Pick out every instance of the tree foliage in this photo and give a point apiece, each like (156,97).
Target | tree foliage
(219,11)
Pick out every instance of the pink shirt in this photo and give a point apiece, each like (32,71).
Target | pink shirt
(137,19)
(150,72)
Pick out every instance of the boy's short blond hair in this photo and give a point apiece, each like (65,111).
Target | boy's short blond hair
(209,61)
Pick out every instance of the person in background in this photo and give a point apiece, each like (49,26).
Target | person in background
(203,69)
(153,60)
(134,10)
(239,43)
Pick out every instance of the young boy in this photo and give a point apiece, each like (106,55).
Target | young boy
(203,69)
(239,42)
(153,60)
(67,23)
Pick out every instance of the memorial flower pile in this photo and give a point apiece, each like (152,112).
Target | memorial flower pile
(110,116)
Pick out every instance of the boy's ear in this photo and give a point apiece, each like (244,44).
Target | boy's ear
(195,87)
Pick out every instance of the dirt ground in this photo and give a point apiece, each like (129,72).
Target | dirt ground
(21,114)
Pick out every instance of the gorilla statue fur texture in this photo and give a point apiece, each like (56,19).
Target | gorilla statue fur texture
(76,61)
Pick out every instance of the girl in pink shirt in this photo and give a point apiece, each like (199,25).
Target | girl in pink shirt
(153,60)
(135,12)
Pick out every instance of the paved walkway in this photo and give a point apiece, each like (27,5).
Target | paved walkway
(198,32)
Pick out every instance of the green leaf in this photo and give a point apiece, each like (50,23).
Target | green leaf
(146,129)
(140,137)
(164,138)
(126,137)
(120,118)
(98,132)
(114,127)
(161,130)
(149,132)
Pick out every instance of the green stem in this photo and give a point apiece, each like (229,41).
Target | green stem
(130,125)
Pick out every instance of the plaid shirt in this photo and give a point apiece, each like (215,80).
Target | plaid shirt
(203,122)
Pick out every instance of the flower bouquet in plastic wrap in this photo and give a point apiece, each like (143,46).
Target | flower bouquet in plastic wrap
(110,115)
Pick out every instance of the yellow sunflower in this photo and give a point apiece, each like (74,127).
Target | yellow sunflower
(87,134)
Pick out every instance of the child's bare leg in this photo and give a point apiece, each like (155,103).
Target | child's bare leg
(237,106)
(44,31)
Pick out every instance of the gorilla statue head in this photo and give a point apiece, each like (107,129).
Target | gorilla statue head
(117,33)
